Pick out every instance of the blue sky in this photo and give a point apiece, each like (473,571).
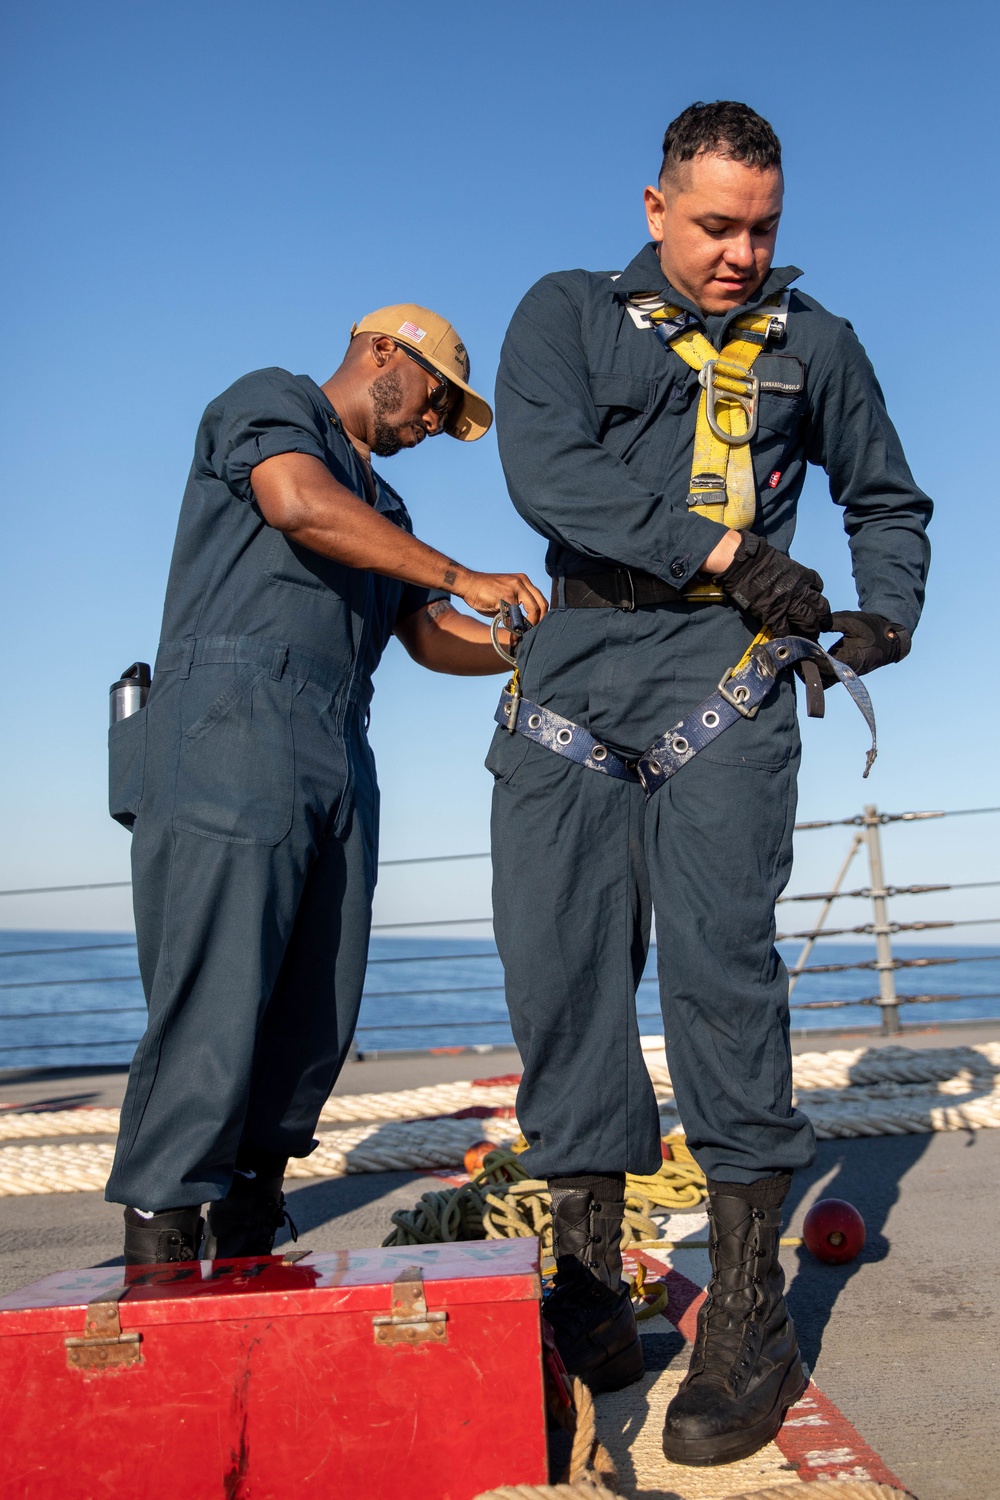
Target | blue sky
(194,190)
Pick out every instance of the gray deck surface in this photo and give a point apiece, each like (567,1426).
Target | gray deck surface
(905,1340)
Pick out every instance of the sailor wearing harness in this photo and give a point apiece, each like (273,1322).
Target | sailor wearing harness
(655,426)
(249,779)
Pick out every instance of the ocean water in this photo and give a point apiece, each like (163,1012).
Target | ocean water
(70,999)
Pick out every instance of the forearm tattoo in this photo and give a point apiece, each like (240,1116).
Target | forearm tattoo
(450,574)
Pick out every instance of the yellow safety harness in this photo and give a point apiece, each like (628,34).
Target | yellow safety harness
(722,483)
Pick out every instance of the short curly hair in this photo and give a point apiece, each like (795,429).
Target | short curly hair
(725,128)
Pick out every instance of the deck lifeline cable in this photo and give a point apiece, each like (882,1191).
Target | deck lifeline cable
(865,1092)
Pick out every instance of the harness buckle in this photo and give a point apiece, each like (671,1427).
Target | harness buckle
(748,399)
(737,696)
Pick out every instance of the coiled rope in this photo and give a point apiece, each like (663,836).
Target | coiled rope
(835,1489)
(503,1202)
(866,1092)
(591,1473)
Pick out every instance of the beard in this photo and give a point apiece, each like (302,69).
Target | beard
(386,392)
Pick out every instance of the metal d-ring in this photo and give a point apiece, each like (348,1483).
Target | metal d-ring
(749,403)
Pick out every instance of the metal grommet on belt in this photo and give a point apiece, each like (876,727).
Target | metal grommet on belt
(710,719)
(564,736)
(781,652)
(534,721)
(599,753)
(679,745)
(655,767)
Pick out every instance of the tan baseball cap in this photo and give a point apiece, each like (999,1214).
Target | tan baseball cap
(438,343)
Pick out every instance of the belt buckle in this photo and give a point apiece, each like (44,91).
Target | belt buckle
(736,696)
(629,606)
(749,402)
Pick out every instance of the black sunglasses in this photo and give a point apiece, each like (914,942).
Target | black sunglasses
(439,399)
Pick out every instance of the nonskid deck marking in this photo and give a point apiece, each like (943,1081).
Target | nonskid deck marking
(837,1451)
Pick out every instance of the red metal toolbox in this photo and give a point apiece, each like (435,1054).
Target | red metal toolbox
(412,1372)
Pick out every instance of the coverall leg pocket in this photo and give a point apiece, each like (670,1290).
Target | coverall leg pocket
(126,767)
(236,766)
(506,753)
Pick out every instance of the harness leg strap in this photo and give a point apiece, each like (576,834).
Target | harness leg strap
(739,695)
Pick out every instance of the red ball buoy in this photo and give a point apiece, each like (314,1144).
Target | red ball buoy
(834,1231)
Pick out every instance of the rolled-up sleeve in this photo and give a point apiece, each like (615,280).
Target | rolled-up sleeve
(564,483)
(885,512)
(258,417)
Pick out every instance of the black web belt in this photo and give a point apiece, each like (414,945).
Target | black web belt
(614,588)
(739,695)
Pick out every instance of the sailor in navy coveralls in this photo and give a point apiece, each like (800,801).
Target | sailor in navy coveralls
(248,778)
(596,424)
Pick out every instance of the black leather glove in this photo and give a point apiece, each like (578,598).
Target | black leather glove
(781,594)
(867,641)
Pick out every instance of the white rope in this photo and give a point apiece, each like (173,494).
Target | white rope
(411,1104)
(30,1126)
(396,1147)
(868,1065)
(407,1104)
(865,1092)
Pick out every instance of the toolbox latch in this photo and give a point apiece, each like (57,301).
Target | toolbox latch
(409,1322)
(104,1346)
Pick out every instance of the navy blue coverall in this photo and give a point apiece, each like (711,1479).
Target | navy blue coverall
(595,422)
(252,789)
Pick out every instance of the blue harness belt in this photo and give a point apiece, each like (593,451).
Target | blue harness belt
(739,695)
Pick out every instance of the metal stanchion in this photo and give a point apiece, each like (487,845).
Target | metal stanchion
(888,1000)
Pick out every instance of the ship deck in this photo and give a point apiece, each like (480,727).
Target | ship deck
(904,1341)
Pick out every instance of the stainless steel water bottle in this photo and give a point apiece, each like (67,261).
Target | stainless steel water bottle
(130,692)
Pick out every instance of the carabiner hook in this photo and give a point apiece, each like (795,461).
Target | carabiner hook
(508,617)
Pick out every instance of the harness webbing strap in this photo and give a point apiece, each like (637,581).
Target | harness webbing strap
(722,484)
(739,695)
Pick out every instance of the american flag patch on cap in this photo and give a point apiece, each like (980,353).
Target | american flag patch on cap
(413,332)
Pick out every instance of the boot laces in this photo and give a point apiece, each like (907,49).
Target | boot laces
(729,1330)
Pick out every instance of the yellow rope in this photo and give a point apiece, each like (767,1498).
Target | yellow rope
(502,1202)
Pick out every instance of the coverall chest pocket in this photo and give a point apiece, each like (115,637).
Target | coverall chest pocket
(236,765)
(126,767)
(621,402)
(782,393)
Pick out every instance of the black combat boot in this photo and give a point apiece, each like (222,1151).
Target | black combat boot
(745,1370)
(153,1238)
(590,1311)
(247,1219)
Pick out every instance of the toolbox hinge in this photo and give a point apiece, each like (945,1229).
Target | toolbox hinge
(104,1346)
(409,1322)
